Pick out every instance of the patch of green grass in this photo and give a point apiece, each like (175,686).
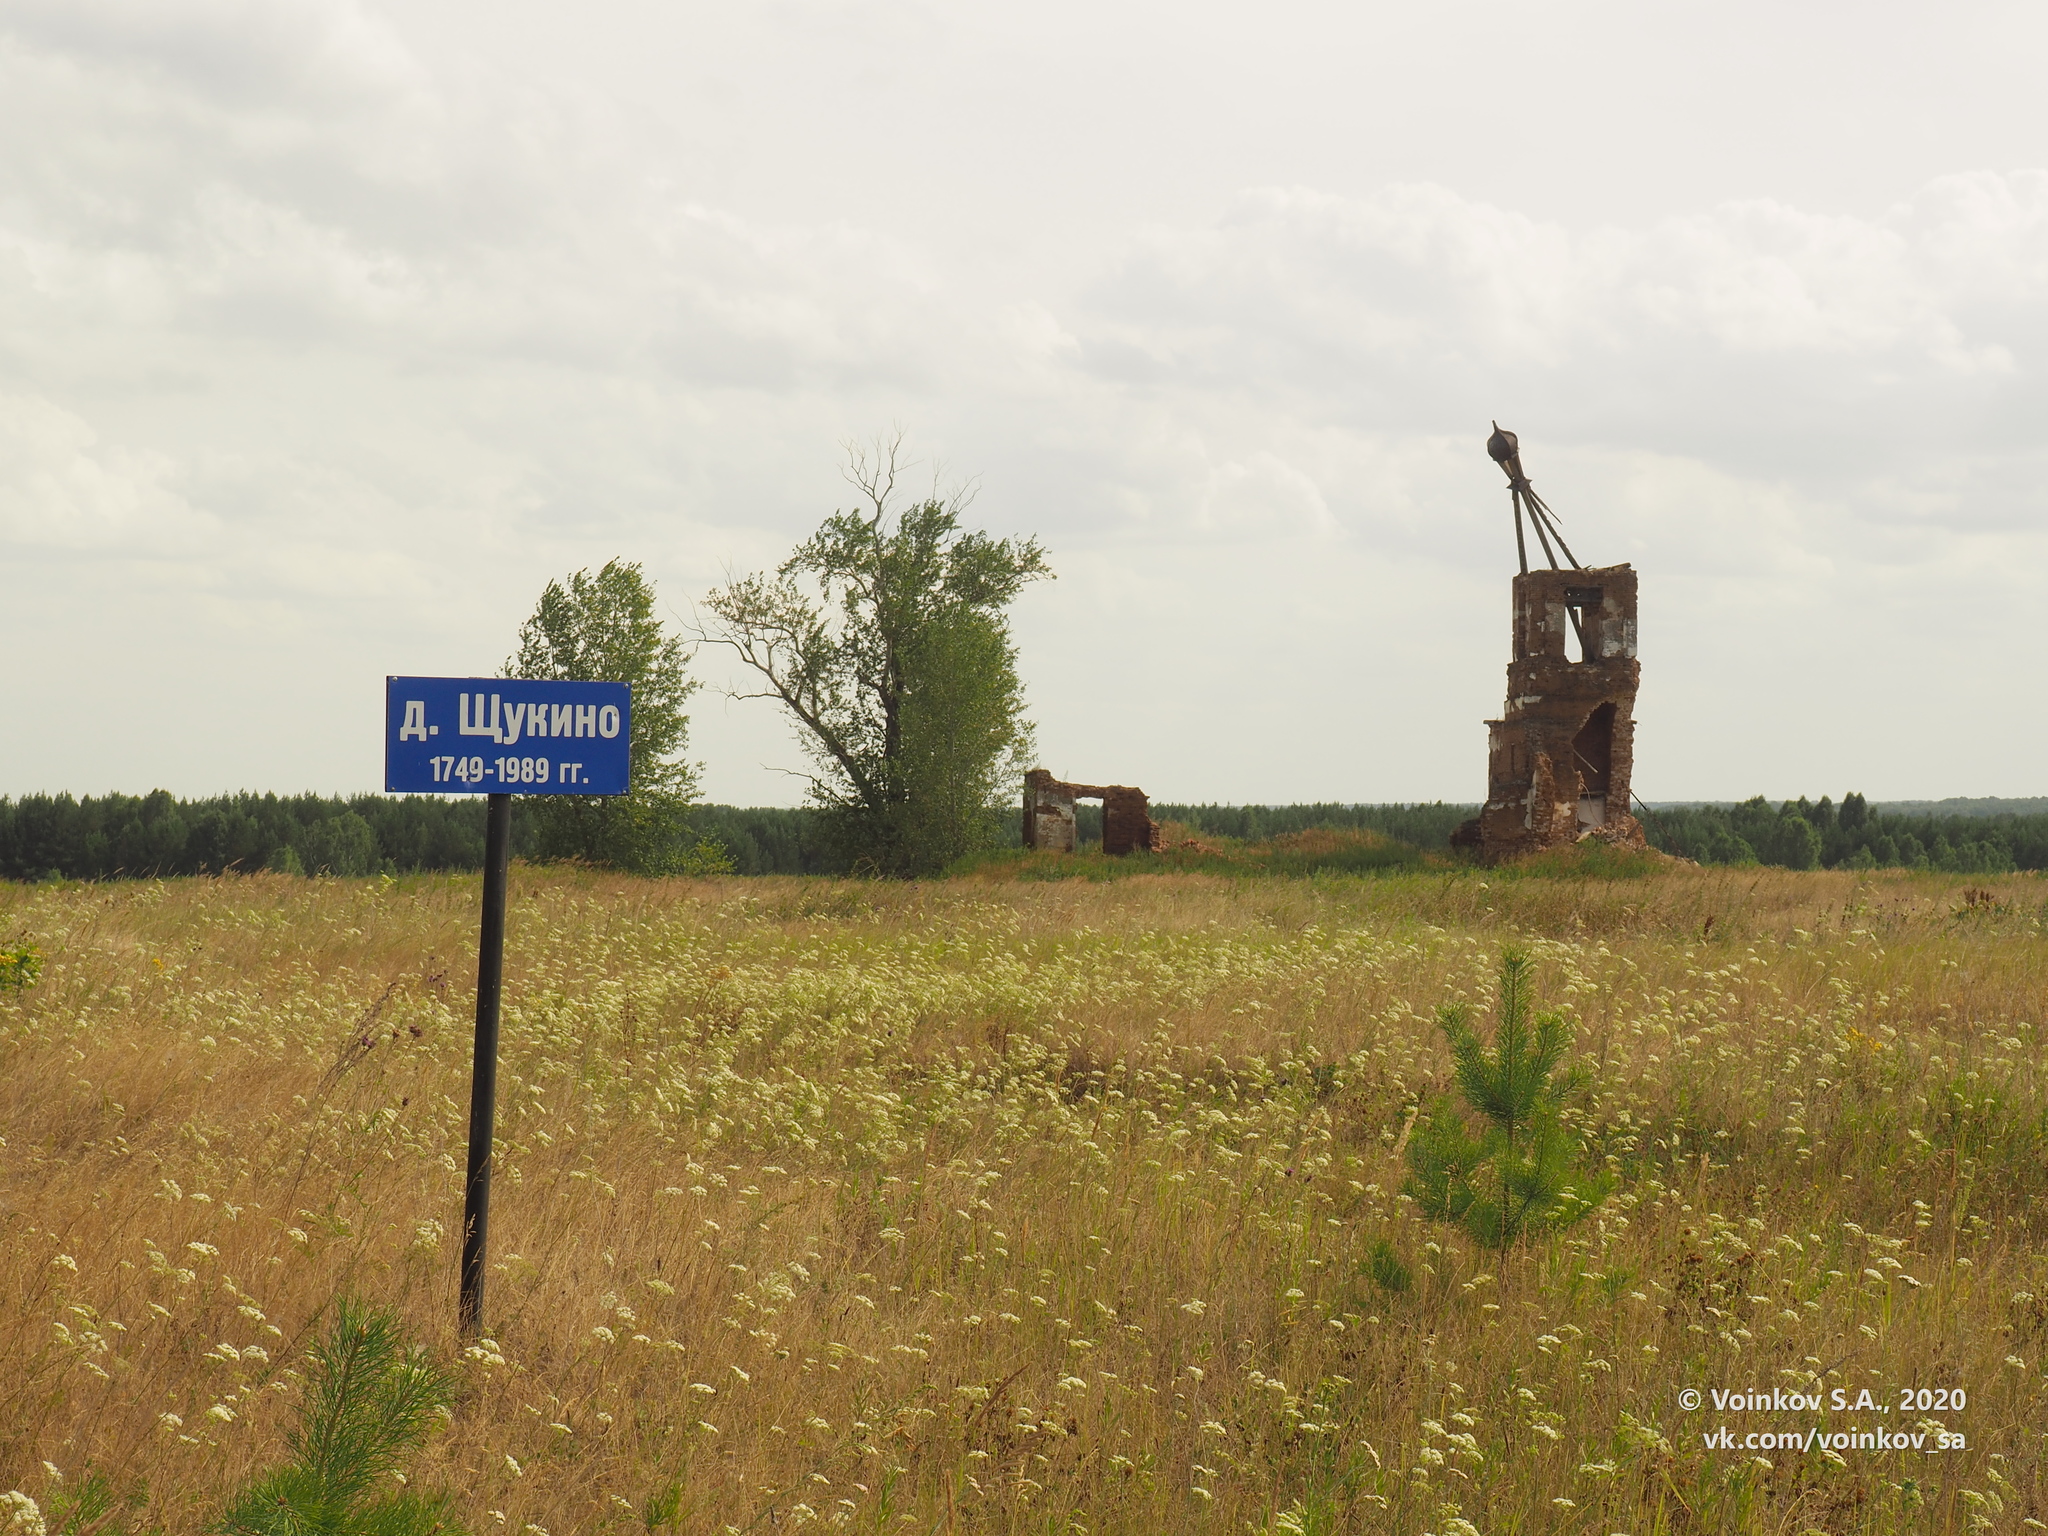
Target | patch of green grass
(1590,860)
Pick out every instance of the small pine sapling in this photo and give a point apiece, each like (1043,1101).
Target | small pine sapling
(1520,1176)
(90,1506)
(1389,1271)
(371,1399)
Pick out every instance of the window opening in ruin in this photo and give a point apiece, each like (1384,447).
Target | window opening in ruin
(1593,756)
(1583,604)
(1088,824)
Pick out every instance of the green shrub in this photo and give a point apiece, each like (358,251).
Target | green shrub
(19,967)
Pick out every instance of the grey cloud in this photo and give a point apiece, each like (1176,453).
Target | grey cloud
(1752,324)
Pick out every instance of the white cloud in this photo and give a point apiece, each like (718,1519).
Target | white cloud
(62,490)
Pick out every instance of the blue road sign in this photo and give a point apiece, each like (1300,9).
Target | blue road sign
(496,735)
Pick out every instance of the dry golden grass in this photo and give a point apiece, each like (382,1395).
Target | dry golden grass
(1021,1206)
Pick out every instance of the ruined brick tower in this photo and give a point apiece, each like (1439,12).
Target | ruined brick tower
(1558,760)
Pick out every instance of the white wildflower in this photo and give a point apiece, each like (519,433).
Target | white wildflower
(23,1516)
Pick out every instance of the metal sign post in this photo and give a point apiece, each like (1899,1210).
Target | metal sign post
(546,738)
(483,1072)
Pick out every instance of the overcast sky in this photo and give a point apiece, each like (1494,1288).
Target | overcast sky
(329,331)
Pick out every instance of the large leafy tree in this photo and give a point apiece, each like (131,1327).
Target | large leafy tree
(603,628)
(886,638)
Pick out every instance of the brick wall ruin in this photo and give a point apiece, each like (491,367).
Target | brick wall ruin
(1559,760)
(1127,822)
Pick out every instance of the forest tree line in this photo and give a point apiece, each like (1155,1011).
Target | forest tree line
(1800,834)
(117,836)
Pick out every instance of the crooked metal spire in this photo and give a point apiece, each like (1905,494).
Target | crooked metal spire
(1506,451)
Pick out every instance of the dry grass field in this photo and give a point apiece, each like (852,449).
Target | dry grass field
(1024,1206)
